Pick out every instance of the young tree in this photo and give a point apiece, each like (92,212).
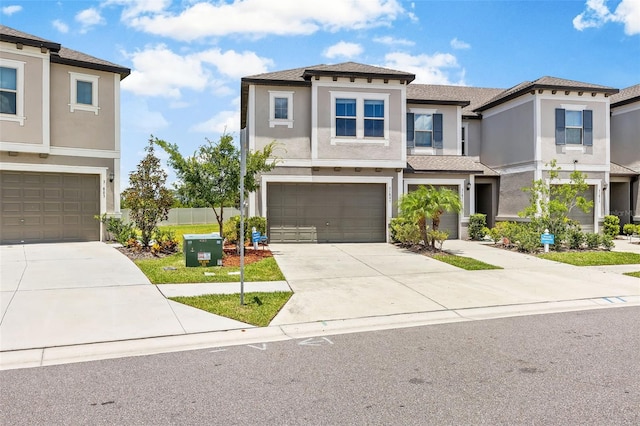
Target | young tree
(551,202)
(147,196)
(212,175)
(429,203)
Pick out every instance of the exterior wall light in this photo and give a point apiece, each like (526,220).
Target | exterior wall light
(112,176)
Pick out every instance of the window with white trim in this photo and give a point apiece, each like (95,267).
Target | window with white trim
(574,127)
(84,92)
(359,117)
(280,109)
(12,91)
(424,129)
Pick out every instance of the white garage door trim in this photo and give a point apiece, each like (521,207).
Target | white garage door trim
(460,183)
(387,180)
(56,168)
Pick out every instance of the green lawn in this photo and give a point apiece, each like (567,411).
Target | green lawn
(593,258)
(633,274)
(180,230)
(172,269)
(464,262)
(259,308)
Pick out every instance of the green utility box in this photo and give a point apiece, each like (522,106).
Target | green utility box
(202,249)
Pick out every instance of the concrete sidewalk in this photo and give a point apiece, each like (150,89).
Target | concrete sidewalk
(71,302)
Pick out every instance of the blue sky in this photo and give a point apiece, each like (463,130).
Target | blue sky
(187,57)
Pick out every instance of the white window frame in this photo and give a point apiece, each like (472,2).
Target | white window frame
(360,97)
(73,95)
(429,150)
(273,121)
(18,117)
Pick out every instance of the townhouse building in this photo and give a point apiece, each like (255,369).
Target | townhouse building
(352,138)
(59,140)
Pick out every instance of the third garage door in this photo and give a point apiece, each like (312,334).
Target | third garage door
(326,213)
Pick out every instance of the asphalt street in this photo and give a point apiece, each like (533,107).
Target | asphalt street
(566,368)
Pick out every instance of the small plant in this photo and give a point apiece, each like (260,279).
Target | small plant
(230,229)
(477,226)
(133,244)
(592,240)
(404,231)
(117,229)
(611,226)
(437,238)
(575,238)
(165,242)
(527,238)
(259,222)
(607,242)
(630,229)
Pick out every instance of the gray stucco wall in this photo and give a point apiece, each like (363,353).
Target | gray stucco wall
(512,199)
(625,138)
(508,137)
(474,137)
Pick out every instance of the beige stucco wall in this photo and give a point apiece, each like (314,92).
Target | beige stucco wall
(359,149)
(450,139)
(564,154)
(508,136)
(82,129)
(625,136)
(31,131)
(293,143)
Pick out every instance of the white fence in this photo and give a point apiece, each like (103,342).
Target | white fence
(190,216)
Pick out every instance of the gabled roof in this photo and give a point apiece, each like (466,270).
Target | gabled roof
(467,97)
(447,164)
(626,96)
(59,54)
(617,169)
(551,83)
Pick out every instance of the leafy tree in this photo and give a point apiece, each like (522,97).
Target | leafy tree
(551,202)
(211,176)
(147,196)
(429,203)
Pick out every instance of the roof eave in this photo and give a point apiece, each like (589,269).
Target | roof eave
(124,72)
(625,102)
(55,47)
(437,102)
(408,78)
(275,82)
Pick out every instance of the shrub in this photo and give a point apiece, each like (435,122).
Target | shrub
(593,240)
(438,237)
(477,226)
(117,229)
(165,242)
(607,242)
(575,238)
(231,229)
(611,226)
(404,231)
(630,229)
(258,221)
(526,238)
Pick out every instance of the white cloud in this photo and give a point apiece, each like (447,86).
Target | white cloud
(133,8)
(60,26)
(236,65)
(597,13)
(459,44)
(10,10)
(429,69)
(157,71)
(89,18)
(259,17)
(224,121)
(343,49)
(392,41)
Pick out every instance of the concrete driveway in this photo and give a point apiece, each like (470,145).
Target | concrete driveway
(75,293)
(344,281)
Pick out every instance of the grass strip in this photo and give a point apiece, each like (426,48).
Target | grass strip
(593,258)
(259,308)
(633,274)
(172,270)
(466,263)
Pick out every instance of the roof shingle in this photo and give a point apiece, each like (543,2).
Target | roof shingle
(448,163)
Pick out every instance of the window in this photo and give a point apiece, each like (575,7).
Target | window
(346,117)
(84,92)
(574,127)
(359,117)
(424,130)
(280,109)
(12,91)
(8,90)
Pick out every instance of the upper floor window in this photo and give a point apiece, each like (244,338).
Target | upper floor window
(574,127)
(424,130)
(84,92)
(359,117)
(12,91)
(280,109)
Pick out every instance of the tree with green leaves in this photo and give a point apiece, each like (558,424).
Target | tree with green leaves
(428,204)
(551,202)
(211,176)
(146,196)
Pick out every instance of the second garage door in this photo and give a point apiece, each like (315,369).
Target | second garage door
(48,207)
(326,213)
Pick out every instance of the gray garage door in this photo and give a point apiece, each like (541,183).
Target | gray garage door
(48,207)
(448,221)
(585,219)
(326,213)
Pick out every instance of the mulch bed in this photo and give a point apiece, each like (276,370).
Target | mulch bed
(230,258)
